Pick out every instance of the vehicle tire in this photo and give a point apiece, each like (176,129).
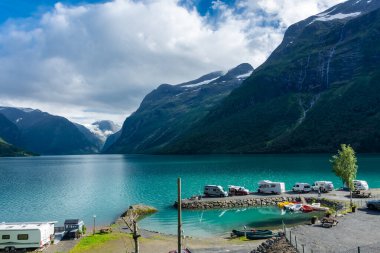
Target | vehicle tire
(372,207)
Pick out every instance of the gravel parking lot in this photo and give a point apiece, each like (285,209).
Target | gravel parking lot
(359,229)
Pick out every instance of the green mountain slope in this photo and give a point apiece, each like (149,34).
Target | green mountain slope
(318,89)
(170,110)
(8,150)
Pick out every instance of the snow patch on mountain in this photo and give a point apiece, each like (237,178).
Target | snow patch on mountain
(244,75)
(200,83)
(325,18)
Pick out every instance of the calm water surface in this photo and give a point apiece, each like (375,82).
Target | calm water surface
(60,187)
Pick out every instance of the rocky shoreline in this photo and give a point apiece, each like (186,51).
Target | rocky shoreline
(225,203)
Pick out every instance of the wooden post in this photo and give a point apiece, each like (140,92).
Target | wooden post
(179,208)
(290,237)
(136,237)
(358,249)
(295,238)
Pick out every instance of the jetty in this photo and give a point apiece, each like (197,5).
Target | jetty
(254,199)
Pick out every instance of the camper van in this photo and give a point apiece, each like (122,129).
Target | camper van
(267,186)
(324,186)
(25,235)
(301,187)
(214,191)
(361,185)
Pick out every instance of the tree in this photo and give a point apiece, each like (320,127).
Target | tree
(344,166)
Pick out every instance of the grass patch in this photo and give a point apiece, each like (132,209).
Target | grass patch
(94,241)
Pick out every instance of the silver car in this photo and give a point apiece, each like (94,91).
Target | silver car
(373,204)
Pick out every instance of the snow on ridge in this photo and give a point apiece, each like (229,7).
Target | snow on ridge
(338,16)
(335,16)
(200,83)
(244,75)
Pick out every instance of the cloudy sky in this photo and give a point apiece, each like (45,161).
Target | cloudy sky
(91,60)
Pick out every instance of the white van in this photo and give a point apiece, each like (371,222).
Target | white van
(214,191)
(266,186)
(301,187)
(25,235)
(325,186)
(361,185)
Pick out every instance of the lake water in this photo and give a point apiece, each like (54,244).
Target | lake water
(61,187)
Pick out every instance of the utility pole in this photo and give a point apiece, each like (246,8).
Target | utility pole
(136,236)
(179,207)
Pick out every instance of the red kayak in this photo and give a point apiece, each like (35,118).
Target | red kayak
(306,208)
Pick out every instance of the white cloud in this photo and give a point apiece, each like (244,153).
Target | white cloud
(98,61)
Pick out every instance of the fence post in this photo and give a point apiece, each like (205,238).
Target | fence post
(291,237)
(303,248)
(358,249)
(295,239)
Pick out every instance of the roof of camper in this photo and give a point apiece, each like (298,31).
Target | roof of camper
(24,225)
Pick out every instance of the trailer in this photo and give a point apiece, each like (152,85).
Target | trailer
(266,186)
(25,235)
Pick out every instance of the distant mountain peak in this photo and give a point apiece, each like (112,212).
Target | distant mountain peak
(103,128)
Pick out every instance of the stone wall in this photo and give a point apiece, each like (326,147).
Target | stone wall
(224,203)
(233,203)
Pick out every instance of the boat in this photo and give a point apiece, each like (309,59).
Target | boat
(293,207)
(283,204)
(250,232)
(262,236)
(307,208)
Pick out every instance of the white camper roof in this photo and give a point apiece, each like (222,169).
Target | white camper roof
(269,182)
(25,225)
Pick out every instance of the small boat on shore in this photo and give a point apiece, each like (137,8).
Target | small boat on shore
(307,208)
(262,236)
(240,233)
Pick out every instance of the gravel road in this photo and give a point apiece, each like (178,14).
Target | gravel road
(359,229)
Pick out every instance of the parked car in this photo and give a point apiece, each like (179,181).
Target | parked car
(324,186)
(361,185)
(237,190)
(373,204)
(266,186)
(214,191)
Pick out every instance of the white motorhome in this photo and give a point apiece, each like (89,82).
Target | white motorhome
(324,186)
(361,185)
(214,191)
(266,186)
(25,235)
(301,187)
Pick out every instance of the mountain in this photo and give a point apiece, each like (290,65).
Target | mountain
(170,110)
(8,131)
(111,139)
(104,128)
(47,134)
(318,89)
(8,150)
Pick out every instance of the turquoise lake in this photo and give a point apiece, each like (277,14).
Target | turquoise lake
(62,187)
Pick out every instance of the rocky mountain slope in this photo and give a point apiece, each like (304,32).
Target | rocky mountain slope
(318,89)
(170,110)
